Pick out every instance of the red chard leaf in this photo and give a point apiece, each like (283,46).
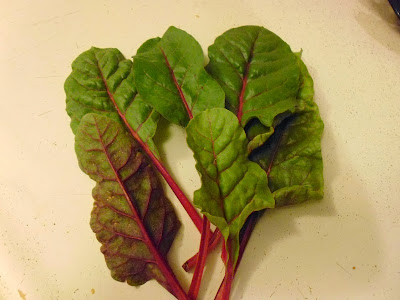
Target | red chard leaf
(132,218)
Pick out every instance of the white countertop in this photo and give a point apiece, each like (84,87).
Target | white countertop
(344,247)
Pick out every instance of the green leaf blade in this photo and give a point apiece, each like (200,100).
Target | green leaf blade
(170,76)
(131,217)
(232,186)
(102,82)
(258,72)
(292,155)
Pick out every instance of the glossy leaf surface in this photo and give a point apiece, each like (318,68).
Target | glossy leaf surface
(258,72)
(170,76)
(102,82)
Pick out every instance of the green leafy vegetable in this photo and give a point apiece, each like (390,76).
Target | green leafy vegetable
(263,151)
(292,155)
(299,169)
(258,72)
(102,82)
(232,186)
(170,76)
(131,217)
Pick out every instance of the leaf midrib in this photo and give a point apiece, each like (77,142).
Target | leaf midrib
(159,261)
(134,133)
(245,78)
(171,280)
(177,85)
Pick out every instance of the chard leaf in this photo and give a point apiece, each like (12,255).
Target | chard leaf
(258,72)
(232,186)
(132,218)
(102,82)
(291,157)
(170,76)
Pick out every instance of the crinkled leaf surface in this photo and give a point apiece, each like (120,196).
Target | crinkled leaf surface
(102,82)
(258,72)
(170,76)
(232,186)
(132,218)
(257,133)
(292,155)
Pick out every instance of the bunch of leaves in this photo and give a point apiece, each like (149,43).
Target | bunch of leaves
(262,151)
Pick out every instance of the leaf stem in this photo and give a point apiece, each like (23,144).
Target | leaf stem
(187,205)
(226,285)
(228,282)
(251,223)
(198,272)
(214,241)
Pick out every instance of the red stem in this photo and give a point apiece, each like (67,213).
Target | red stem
(218,296)
(243,243)
(187,205)
(173,285)
(224,254)
(198,272)
(226,285)
(228,282)
(214,241)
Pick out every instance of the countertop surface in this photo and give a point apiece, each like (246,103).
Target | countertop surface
(345,246)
